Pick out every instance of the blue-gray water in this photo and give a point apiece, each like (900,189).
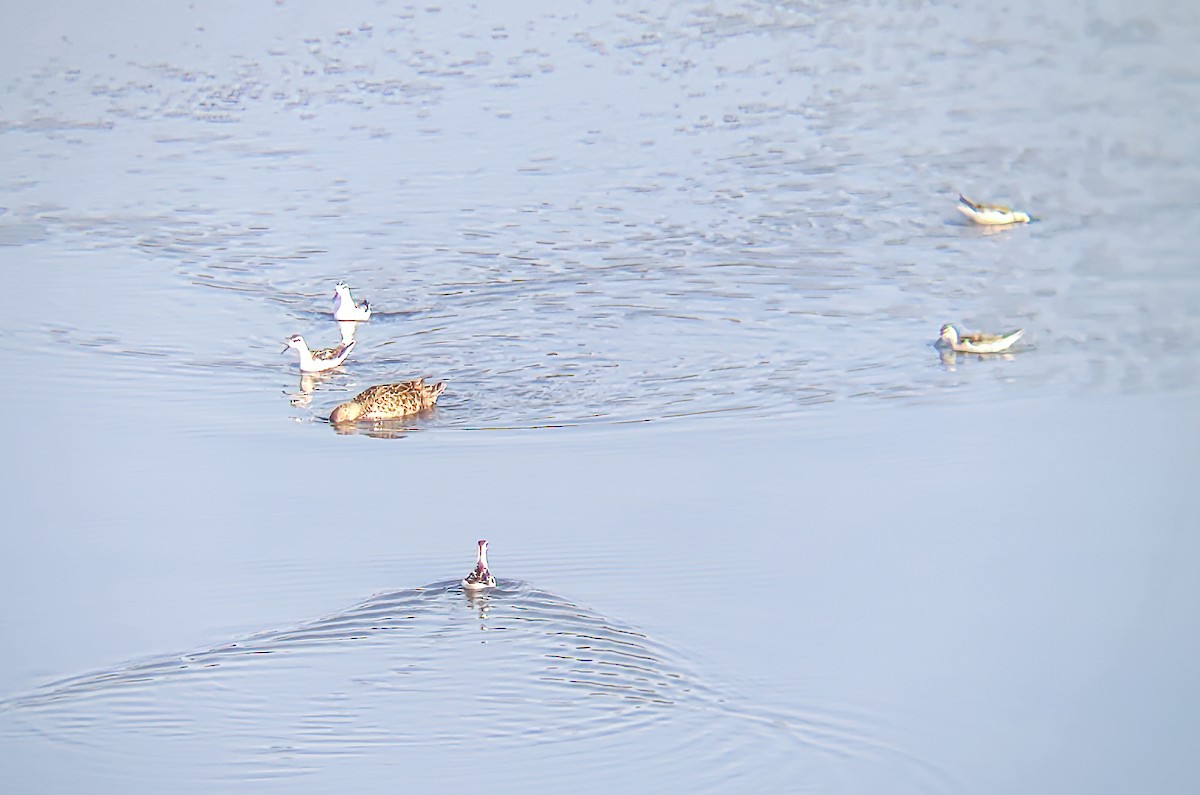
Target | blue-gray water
(681,268)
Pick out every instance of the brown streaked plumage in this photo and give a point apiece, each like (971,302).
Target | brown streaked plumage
(328,354)
(389,401)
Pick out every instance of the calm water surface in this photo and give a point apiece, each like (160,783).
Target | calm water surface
(681,268)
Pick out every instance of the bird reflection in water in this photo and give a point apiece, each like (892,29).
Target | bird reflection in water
(347,327)
(478,601)
(376,429)
(950,357)
(303,398)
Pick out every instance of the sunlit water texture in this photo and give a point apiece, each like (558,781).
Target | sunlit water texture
(681,268)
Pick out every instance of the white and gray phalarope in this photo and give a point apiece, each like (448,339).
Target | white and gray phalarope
(990,214)
(344,307)
(950,337)
(321,359)
(480,578)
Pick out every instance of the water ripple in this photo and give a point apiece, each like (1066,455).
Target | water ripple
(432,666)
(691,240)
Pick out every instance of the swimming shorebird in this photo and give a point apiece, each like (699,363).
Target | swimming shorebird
(388,401)
(344,307)
(321,359)
(951,338)
(990,214)
(480,578)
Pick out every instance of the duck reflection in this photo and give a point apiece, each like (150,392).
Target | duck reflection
(376,429)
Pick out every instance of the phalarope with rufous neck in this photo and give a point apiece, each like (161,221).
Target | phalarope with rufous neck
(480,578)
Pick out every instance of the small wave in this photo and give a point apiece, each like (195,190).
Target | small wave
(426,666)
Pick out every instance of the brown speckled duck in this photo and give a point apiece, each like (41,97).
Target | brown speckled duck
(389,401)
